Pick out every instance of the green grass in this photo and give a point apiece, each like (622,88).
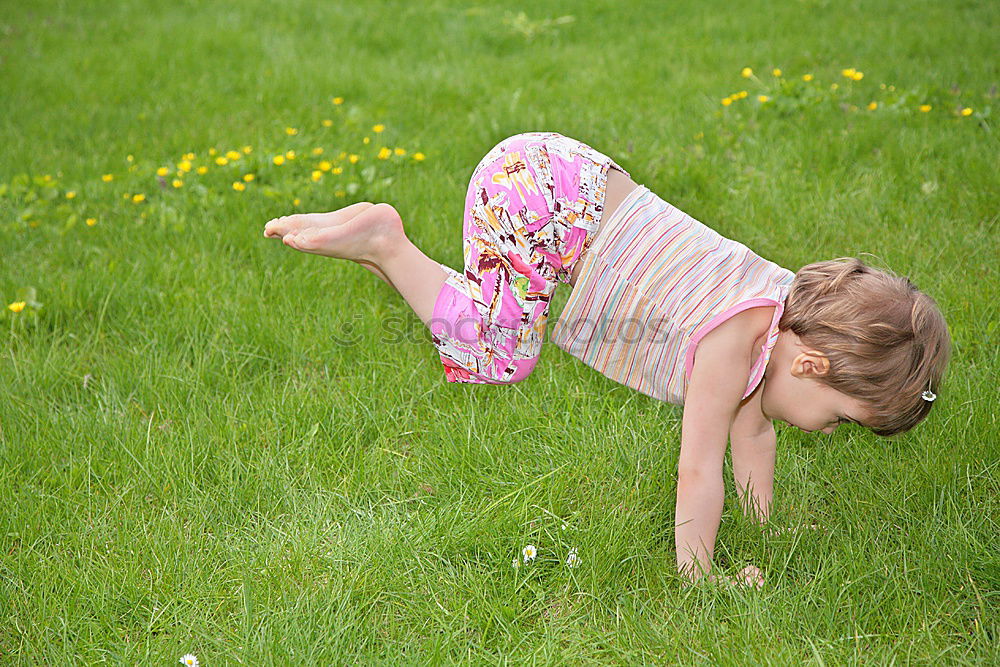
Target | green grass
(191,462)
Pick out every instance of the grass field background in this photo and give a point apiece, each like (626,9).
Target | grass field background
(210,444)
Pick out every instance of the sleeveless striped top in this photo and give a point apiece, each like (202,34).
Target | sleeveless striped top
(654,282)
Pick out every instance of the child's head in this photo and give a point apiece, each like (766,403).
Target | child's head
(886,341)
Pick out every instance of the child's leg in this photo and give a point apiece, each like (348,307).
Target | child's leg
(531,205)
(373,236)
(278,228)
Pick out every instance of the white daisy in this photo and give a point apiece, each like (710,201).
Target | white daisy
(191,660)
(573,560)
(529,552)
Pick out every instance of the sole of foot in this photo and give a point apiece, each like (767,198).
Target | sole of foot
(363,238)
(278,228)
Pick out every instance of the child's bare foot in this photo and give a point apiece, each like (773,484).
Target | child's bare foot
(363,238)
(293,224)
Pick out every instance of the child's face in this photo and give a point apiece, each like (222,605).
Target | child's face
(792,392)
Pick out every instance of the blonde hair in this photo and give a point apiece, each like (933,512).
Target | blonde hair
(886,341)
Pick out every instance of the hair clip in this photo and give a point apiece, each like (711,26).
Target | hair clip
(928,395)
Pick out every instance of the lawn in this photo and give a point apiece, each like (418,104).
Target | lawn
(210,444)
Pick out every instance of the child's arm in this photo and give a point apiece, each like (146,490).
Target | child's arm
(715,389)
(753,441)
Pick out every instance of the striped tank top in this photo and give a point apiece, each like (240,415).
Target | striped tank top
(653,283)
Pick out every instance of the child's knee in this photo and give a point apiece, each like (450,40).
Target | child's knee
(515,371)
(522,369)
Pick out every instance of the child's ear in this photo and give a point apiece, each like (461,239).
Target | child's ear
(810,364)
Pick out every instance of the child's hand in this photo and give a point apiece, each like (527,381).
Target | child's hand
(748,576)
(774,532)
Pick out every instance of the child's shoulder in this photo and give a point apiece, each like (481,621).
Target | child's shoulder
(746,330)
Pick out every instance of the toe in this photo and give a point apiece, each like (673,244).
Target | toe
(307,239)
(277,227)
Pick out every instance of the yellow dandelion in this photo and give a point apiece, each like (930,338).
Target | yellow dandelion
(366,140)
(202,169)
(48,178)
(849,72)
(353,158)
(340,193)
(925,107)
(130,158)
(834,86)
(858,76)
(807,77)
(763,98)
(317,151)
(325,165)
(776,72)
(290,155)
(296,201)
(177,183)
(399,151)
(212,152)
(127,195)
(291,131)
(337,170)
(139,198)
(162,171)
(233,155)
(726,101)
(872,106)
(384,153)
(247,150)
(71,194)
(91,222)
(317,175)
(378,128)
(419,157)
(248,177)
(338,100)
(746,73)
(743,94)
(17,306)
(327,122)
(966,111)
(239,186)
(279,160)
(221,161)
(108,178)
(189,156)
(184,165)
(342,155)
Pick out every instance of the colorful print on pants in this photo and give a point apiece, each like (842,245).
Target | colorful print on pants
(532,206)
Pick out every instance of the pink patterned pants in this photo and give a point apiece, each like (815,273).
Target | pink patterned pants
(533,203)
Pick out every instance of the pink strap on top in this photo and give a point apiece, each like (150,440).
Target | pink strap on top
(757,370)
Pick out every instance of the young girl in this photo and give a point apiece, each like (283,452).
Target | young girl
(660,303)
